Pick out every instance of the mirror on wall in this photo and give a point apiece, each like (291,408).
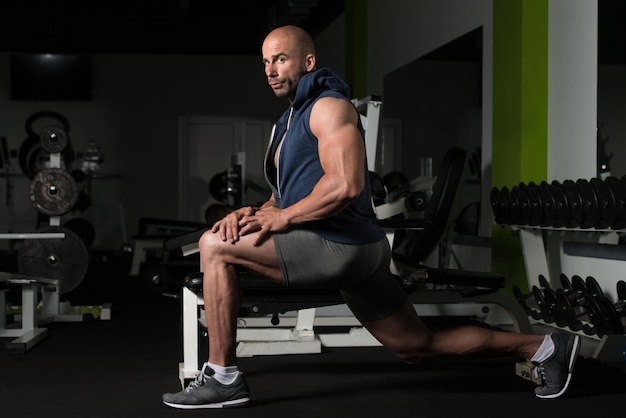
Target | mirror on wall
(611,88)
(432,104)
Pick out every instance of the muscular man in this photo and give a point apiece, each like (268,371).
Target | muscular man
(320,209)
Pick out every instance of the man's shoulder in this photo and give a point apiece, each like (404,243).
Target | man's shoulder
(332,99)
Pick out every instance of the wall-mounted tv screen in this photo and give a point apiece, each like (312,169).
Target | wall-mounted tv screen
(51,77)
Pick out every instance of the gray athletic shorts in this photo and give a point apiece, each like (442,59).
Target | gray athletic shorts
(360,272)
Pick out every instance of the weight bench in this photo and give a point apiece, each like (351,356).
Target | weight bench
(411,239)
(150,236)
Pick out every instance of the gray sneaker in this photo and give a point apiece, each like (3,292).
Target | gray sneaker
(556,371)
(206,392)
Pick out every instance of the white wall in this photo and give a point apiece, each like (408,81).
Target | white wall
(419,26)
(572,88)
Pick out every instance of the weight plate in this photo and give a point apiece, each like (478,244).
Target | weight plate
(543,282)
(609,204)
(54,139)
(578,284)
(565,308)
(63,259)
(53,191)
(621,290)
(33,158)
(520,298)
(29,125)
(610,317)
(619,194)
(514,207)
(495,204)
(218,184)
(593,288)
(566,285)
(524,204)
(590,202)
(503,201)
(542,304)
(83,228)
(549,204)
(536,205)
(549,296)
(561,205)
(577,211)
(595,316)
(377,188)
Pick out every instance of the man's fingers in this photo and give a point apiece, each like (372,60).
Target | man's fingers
(260,237)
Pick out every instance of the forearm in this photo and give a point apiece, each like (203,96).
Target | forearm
(328,198)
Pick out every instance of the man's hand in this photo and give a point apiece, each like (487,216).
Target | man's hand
(228,227)
(264,221)
(244,221)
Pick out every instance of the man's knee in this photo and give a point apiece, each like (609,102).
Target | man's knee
(209,244)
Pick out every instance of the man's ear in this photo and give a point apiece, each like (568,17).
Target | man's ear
(309,61)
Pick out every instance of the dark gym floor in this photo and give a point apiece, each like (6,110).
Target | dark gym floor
(120,368)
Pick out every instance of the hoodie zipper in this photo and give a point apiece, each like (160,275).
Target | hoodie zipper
(277,154)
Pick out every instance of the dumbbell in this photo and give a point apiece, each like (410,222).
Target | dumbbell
(577,284)
(547,301)
(523,298)
(544,299)
(614,312)
(542,302)
(577,301)
(532,309)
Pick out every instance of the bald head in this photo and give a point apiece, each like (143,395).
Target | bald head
(288,54)
(295,36)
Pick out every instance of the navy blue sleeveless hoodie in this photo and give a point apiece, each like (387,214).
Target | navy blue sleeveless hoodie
(299,168)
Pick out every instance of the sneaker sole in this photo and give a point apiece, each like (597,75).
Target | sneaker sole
(572,362)
(227,404)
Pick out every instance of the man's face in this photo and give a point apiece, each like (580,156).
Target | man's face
(284,65)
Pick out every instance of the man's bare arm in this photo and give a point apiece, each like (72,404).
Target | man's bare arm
(342,155)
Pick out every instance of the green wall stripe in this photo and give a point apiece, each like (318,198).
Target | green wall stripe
(534,115)
(520,114)
(507,82)
(356,47)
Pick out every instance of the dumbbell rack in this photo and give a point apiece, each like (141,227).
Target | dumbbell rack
(607,348)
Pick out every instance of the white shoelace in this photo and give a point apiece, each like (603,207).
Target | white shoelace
(200,380)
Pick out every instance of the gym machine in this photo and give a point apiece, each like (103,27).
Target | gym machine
(54,259)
